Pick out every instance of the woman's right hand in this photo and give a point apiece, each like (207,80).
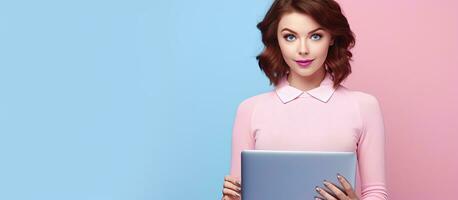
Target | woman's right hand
(232,188)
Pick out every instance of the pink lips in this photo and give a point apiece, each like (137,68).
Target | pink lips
(304,63)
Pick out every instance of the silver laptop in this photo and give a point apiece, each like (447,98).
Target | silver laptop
(293,175)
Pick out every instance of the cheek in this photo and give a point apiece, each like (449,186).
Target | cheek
(321,51)
(287,49)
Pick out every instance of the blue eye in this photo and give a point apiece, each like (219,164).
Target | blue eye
(317,35)
(289,37)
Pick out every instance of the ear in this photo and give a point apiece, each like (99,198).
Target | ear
(331,42)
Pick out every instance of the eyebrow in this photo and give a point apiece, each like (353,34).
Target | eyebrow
(287,29)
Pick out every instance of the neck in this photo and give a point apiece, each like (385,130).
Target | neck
(306,83)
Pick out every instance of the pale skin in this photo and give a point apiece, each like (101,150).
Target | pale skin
(300,38)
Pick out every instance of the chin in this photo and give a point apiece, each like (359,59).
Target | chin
(306,75)
(306,72)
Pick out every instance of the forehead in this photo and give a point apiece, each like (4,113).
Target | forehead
(298,22)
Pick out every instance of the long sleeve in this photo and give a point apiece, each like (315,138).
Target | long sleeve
(371,150)
(242,137)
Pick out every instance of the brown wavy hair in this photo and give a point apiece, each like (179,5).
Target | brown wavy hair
(328,14)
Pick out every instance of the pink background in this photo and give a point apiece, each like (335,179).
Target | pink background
(406,55)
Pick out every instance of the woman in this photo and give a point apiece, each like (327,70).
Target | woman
(306,57)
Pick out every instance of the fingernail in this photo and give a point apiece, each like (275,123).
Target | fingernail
(325,182)
(317,189)
(339,176)
(237,194)
(317,198)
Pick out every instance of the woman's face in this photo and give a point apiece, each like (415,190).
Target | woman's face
(300,38)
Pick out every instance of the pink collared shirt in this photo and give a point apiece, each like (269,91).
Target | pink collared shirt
(320,119)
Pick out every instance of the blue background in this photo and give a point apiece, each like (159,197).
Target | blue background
(123,99)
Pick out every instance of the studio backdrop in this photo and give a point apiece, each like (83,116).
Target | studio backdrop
(123,100)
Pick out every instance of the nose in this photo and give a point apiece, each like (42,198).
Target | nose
(303,49)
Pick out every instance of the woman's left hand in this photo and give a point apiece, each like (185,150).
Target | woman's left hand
(338,194)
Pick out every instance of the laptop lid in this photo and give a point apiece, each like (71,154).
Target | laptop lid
(293,175)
